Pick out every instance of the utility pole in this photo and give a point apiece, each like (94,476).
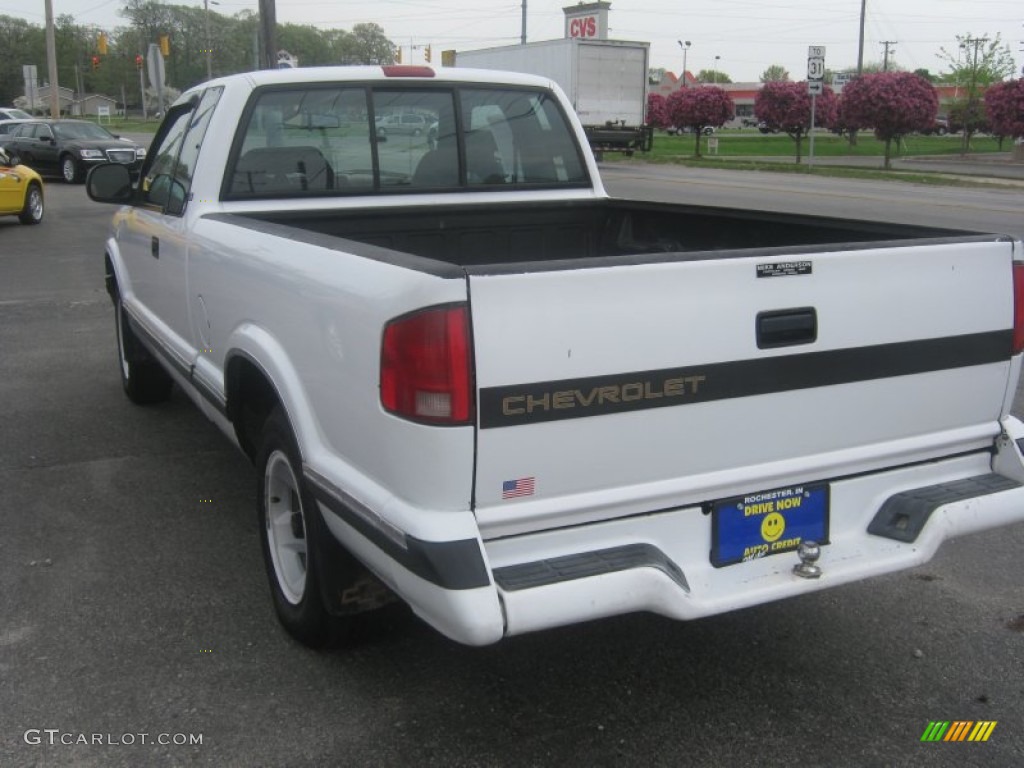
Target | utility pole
(268,33)
(522,37)
(888,45)
(209,52)
(860,57)
(860,44)
(51,62)
(972,94)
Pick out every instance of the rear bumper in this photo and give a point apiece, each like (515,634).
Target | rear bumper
(880,522)
(671,573)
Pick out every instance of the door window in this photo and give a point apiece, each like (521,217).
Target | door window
(159,178)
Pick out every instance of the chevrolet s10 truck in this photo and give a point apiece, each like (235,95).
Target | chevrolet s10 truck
(469,378)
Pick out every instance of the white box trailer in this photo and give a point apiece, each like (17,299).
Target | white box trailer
(606,81)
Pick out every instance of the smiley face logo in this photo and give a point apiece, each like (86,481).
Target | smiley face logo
(772,526)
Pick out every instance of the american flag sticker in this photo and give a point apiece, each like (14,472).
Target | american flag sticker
(512,489)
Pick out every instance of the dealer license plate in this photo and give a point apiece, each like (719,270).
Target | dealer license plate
(768,523)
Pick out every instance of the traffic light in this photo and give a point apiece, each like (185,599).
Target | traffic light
(427,54)
(101,43)
(95,63)
(138,61)
(165,45)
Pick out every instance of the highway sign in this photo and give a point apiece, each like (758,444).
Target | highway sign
(814,87)
(840,79)
(816,62)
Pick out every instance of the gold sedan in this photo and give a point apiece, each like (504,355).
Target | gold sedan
(21,190)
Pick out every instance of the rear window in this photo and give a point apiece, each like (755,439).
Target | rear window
(353,139)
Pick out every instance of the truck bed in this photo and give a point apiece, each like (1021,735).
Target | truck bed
(509,237)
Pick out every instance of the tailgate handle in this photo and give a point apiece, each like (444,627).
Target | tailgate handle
(787,327)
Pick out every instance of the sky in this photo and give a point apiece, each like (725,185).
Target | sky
(738,37)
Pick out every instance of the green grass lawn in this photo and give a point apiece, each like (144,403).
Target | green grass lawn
(755,144)
(131,125)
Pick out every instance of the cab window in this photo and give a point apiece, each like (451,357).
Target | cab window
(383,138)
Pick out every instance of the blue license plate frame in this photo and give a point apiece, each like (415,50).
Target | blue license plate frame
(748,527)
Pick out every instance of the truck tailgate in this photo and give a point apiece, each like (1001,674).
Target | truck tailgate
(618,390)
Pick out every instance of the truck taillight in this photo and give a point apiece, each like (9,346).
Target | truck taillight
(426,368)
(1018,307)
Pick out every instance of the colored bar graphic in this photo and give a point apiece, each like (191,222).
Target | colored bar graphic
(982,730)
(959,730)
(935,731)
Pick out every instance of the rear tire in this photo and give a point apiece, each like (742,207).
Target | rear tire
(32,213)
(288,520)
(144,381)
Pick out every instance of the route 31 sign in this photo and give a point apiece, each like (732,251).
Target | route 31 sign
(815,69)
(816,62)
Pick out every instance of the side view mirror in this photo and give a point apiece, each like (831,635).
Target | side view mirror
(109,183)
(176,198)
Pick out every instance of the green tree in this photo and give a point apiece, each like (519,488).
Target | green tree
(712,76)
(776,73)
(20,43)
(977,63)
(369,45)
(307,42)
(976,60)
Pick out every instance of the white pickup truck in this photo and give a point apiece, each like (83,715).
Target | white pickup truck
(466,374)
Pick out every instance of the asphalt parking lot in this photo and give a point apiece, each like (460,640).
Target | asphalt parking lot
(134,611)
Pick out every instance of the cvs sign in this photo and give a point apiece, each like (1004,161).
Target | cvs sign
(582,26)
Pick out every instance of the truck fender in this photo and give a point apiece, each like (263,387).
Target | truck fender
(346,585)
(115,273)
(257,347)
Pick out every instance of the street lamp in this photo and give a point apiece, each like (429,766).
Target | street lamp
(685,48)
(714,76)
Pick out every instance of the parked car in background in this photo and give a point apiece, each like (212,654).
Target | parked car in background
(21,190)
(11,113)
(70,147)
(6,126)
(407,124)
(940,127)
(673,130)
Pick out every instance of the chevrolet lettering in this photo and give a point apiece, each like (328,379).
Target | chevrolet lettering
(514,405)
(470,380)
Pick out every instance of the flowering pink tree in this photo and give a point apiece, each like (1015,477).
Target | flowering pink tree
(1004,103)
(700,107)
(657,110)
(787,107)
(893,103)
